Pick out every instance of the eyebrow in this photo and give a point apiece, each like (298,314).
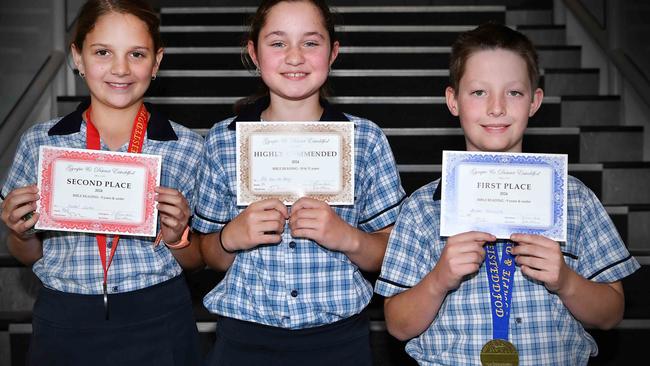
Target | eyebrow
(108,46)
(307,34)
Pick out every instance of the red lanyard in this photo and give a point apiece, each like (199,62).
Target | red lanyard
(135,146)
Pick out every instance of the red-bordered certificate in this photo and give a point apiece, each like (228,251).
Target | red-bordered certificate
(97,191)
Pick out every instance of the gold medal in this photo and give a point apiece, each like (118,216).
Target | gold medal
(499,352)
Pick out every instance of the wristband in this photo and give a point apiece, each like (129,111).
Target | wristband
(221,241)
(182,242)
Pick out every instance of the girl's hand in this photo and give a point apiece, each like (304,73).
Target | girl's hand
(174,213)
(461,256)
(261,222)
(20,202)
(541,259)
(316,220)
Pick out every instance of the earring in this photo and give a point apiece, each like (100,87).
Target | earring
(83,76)
(153,77)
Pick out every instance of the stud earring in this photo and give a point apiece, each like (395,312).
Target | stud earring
(83,76)
(153,77)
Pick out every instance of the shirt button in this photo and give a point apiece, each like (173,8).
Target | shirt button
(109,245)
(115,288)
(294,293)
(292,245)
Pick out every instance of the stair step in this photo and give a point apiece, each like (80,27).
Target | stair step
(526,16)
(381,57)
(203,112)
(567,82)
(231,36)
(352,15)
(544,34)
(591,110)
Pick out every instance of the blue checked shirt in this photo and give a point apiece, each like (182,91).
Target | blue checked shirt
(296,283)
(541,327)
(71,261)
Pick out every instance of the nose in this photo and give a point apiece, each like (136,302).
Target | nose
(120,67)
(294,56)
(496,105)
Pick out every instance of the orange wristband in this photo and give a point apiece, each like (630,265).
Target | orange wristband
(182,243)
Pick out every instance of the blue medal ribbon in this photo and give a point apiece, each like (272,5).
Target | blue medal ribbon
(500,273)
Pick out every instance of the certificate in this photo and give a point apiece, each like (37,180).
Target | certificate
(97,191)
(504,193)
(289,160)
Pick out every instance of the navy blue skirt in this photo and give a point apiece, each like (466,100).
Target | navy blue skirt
(152,326)
(240,343)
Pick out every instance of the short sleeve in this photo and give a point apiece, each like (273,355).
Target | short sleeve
(408,256)
(603,256)
(382,188)
(212,190)
(23,169)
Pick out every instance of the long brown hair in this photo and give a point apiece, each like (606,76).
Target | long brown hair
(257,22)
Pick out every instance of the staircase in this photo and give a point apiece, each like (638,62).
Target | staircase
(392,69)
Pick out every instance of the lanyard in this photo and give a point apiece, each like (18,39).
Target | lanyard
(135,146)
(500,280)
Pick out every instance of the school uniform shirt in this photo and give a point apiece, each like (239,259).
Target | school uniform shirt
(296,283)
(541,327)
(71,261)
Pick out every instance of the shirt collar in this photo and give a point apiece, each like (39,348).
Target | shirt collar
(252,112)
(437,195)
(158,128)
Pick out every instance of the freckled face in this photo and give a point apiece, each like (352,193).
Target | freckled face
(118,60)
(494,101)
(293,51)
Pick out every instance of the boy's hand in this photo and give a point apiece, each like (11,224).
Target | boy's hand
(461,256)
(16,209)
(316,220)
(262,222)
(541,259)
(174,213)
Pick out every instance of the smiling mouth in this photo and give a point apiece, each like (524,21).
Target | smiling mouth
(495,128)
(118,85)
(295,75)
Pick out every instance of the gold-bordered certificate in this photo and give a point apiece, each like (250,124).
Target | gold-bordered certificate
(289,160)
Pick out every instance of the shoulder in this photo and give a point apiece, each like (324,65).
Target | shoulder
(38,133)
(364,125)
(577,192)
(220,131)
(421,203)
(185,134)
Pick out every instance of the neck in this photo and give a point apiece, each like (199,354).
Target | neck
(114,125)
(293,110)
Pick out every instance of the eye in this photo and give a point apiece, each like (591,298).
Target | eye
(311,44)
(478,93)
(515,93)
(277,44)
(137,54)
(101,52)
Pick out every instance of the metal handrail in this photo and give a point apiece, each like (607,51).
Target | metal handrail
(28,100)
(617,56)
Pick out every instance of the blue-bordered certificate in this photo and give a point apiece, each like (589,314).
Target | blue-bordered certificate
(504,193)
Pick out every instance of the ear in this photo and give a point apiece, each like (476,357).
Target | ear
(334,53)
(76,57)
(159,57)
(250,47)
(538,95)
(452,102)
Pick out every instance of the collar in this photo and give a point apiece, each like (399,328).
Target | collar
(437,195)
(158,128)
(252,112)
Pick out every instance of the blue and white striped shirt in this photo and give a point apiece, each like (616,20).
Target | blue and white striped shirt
(541,327)
(71,261)
(297,283)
